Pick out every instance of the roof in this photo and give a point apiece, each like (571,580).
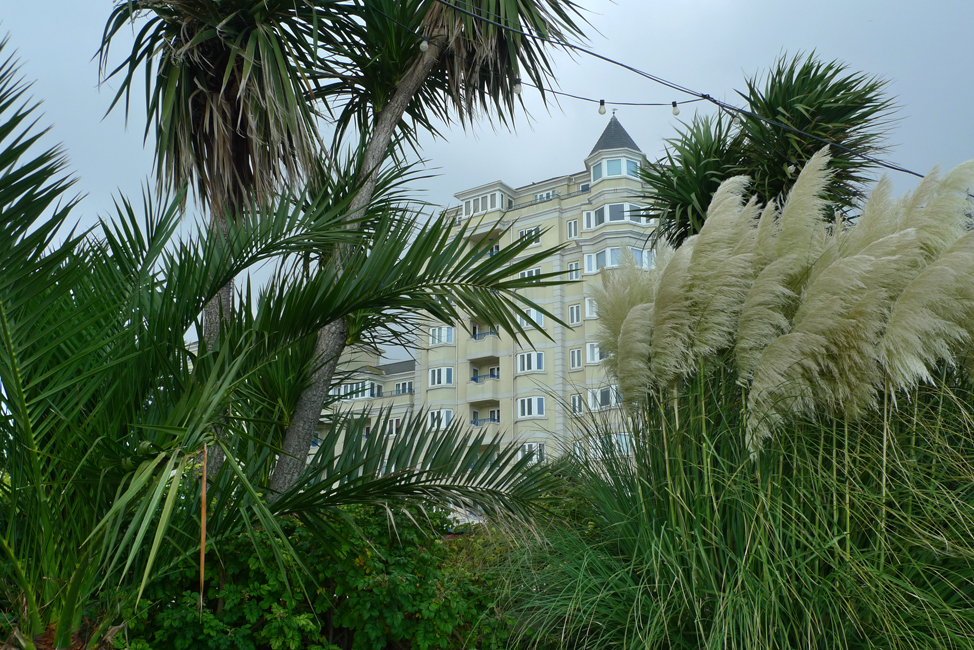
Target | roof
(614,137)
(399,366)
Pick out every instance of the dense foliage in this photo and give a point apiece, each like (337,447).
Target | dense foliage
(416,584)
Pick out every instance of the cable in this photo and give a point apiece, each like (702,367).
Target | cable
(682,89)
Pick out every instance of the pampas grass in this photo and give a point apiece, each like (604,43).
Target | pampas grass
(800,479)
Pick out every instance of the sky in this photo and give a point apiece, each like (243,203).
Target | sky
(923,50)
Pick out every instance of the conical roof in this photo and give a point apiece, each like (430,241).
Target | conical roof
(614,137)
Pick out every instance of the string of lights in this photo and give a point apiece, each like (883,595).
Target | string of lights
(730,108)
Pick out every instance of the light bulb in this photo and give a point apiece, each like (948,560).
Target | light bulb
(601,107)
(676,109)
(517,86)
(423,45)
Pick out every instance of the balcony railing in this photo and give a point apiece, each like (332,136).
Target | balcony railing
(479,379)
(404,391)
(482,335)
(483,421)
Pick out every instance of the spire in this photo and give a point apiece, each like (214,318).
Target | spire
(614,137)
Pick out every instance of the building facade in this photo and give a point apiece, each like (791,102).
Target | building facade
(530,391)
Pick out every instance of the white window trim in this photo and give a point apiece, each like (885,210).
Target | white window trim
(577,403)
(529,362)
(531,408)
(444,376)
(442,335)
(435,418)
(574,271)
(536,448)
(595,394)
(593,355)
(535,318)
(572,227)
(591,308)
(521,234)
(575,359)
(575,314)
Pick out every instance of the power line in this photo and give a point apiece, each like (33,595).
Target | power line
(674,86)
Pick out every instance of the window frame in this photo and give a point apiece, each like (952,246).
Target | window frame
(574,271)
(575,359)
(575,314)
(593,353)
(572,229)
(530,408)
(529,362)
(438,373)
(577,404)
(436,334)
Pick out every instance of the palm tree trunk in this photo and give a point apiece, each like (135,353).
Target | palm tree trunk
(332,338)
(214,312)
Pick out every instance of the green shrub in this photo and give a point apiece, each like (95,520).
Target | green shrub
(413,585)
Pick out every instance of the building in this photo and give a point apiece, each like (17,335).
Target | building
(529,392)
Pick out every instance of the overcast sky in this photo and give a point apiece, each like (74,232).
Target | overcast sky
(925,50)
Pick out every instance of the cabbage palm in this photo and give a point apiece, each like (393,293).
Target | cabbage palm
(106,408)
(227,96)
(824,101)
(382,82)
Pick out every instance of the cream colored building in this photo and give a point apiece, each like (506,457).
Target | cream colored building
(529,392)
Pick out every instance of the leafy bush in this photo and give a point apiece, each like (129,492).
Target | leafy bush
(387,587)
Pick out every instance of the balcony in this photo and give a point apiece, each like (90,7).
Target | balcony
(481,422)
(484,344)
(482,388)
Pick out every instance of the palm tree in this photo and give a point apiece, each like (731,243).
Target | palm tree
(381,73)
(107,409)
(227,98)
(809,103)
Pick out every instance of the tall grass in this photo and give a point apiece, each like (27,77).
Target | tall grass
(802,467)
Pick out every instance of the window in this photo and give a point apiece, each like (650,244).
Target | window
(494,250)
(494,372)
(441,376)
(534,319)
(591,308)
(476,206)
(543,196)
(493,201)
(530,407)
(617,211)
(573,271)
(474,417)
(613,167)
(595,355)
(466,208)
(603,398)
(578,449)
(574,314)
(635,213)
(404,387)
(575,358)
(529,361)
(632,168)
(596,171)
(578,406)
(394,425)
(609,258)
(494,415)
(573,229)
(622,443)
(583,187)
(534,450)
(440,418)
(441,335)
(527,232)
(530,273)
(589,217)
(599,216)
